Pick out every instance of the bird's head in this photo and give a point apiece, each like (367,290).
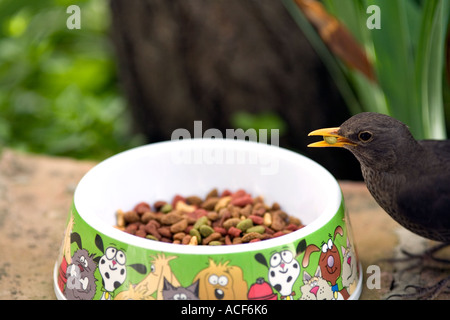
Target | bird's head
(375,139)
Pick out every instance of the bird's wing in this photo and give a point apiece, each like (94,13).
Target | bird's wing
(426,202)
(440,148)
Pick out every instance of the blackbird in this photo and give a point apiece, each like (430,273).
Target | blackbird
(409,179)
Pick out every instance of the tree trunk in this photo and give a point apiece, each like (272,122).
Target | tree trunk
(186,60)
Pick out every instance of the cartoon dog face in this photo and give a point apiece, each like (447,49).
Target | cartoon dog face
(112,267)
(221,282)
(283,271)
(330,262)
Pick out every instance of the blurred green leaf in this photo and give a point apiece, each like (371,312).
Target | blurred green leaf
(260,121)
(58,87)
(430,66)
(407,54)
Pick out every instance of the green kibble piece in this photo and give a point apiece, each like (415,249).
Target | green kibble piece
(330,140)
(215,243)
(258,229)
(245,224)
(200,222)
(205,230)
(166,208)
(151,237)
(195,233)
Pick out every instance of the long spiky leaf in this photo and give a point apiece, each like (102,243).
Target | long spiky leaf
(334,67)
(409,68)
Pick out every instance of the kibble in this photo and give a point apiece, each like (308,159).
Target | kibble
(257,229)
(193,241)
(251,236)
(205,230)
(179,226)
(330,139)
(195,233)
(166,208)
(245,224)
(227,218)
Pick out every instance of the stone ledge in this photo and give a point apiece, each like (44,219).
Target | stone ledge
(36,193)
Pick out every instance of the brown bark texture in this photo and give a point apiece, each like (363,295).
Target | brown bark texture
(182,61)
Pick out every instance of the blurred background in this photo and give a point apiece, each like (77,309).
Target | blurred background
(137,70)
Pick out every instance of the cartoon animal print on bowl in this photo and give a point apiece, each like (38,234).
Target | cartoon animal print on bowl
(171,292)
(283,270)
(80,276)
(152,286)
(329,262)
(315,287)
(113,268)
(79,272)
(349,268)
(220,281)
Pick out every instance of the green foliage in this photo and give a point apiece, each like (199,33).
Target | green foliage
(407,54)
(257,121)
(58,87)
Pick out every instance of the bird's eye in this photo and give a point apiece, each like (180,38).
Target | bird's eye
(365,136)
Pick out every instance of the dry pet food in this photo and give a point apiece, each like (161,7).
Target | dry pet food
(226,218)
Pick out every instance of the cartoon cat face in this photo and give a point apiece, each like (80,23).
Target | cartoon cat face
(80,276)
(315,288)
(349,266)
(84,261)
(170,292)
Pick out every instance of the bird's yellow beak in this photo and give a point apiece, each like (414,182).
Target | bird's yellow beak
(330,138)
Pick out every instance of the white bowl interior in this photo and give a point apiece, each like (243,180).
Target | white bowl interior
(194,167)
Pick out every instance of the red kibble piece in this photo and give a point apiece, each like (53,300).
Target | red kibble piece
(141,233)
(292,227)
(226,193)
(142,207)
(242,201)
(200,212)
(152,229)
(278,233)
(234,232)
(131,228)
(239,193)
(220,230)
(159,204)
(268,230)
(164,239)
(256,219)
(165,231)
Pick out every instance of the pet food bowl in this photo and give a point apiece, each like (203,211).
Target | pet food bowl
(98,261)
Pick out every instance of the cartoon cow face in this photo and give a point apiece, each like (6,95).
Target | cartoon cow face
(283,271)
(112,267)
